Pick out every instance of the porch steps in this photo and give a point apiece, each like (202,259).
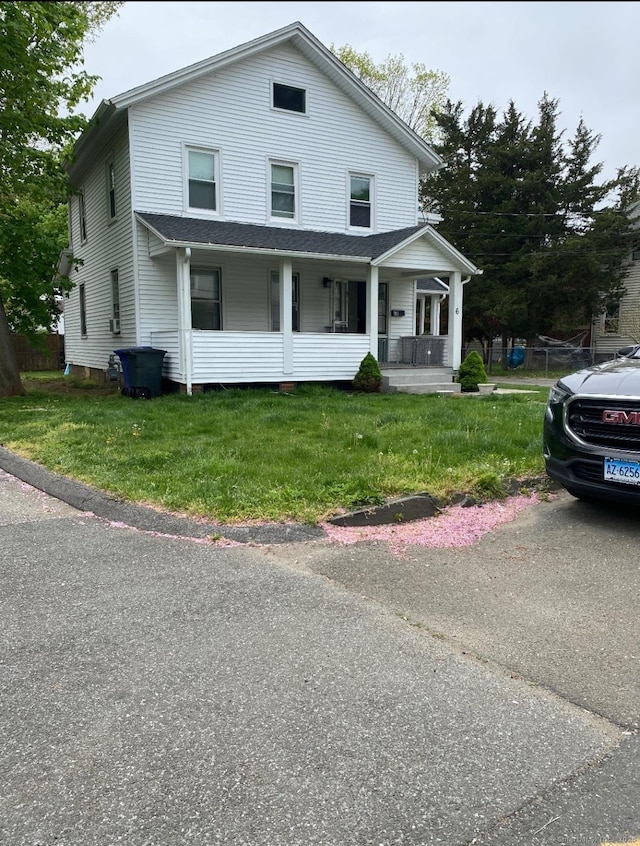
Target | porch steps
(418,380)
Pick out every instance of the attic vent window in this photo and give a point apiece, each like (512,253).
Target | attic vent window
(289,98)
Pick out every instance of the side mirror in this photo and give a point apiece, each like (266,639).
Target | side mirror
(628,352)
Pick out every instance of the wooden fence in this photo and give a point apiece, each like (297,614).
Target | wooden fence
(31,357)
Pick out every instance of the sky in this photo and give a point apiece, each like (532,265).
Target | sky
(582,54)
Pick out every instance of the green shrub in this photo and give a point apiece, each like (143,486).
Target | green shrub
(472,372)
(368,378)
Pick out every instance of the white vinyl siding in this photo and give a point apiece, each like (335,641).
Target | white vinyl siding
(607,342)
(230,111)
(108,246)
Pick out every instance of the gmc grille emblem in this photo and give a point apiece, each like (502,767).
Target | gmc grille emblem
(627,418)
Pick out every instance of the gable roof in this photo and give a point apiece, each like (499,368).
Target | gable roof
(176,231)
(431,285)
(112,111)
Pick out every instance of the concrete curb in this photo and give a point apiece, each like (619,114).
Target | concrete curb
(85,498)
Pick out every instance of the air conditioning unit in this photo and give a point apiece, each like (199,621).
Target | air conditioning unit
(114,325)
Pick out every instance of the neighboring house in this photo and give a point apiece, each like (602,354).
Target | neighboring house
(619,324)
(256,216)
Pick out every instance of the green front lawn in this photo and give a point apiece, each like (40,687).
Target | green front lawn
(238,455)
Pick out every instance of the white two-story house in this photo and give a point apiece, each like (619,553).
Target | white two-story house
(256,217)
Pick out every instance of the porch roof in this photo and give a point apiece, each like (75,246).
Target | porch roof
(177,231)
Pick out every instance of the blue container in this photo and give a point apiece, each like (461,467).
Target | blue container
(142,371)
(515,357)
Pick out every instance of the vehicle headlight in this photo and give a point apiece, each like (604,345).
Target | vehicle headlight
(557,396)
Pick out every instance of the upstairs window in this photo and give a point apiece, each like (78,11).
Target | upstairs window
(82,217)
(111,189)
(360,191)
(289,98)
(635,251)
(283,191)
(206,311)
(202,190)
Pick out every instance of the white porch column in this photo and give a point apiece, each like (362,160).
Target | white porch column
(422,307)
(455,319)
(286,311)
(183,279)
(371,326)
(434,327)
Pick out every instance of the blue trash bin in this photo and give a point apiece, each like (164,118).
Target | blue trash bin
(142,371)
(516,357)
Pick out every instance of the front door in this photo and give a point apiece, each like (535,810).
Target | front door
(350,306)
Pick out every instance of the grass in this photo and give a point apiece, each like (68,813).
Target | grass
(240,455)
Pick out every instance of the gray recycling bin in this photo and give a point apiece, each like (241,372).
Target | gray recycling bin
(142,371)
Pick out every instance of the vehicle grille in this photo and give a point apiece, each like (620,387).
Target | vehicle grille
(584,419)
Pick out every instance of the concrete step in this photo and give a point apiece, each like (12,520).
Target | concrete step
(419,380)
(422,388)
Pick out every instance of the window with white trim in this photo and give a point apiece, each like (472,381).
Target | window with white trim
(82,217)
(83,309)
(284,179)
(635,251)
(289,98)
(115,295)
(360,201)
(206,302)
(111,189)
(274,300)
(202,181)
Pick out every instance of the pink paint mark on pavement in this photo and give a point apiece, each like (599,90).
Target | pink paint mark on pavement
(454,526)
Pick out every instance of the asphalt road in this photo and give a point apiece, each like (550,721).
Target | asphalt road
(160,690)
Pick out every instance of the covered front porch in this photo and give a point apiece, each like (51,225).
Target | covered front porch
(296,315)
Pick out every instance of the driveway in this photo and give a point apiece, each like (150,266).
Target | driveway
(162,690)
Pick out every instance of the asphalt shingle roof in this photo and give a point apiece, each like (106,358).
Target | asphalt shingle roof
(186,230)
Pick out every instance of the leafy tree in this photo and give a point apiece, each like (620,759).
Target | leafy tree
(412,93)
(528,209)
(42,81)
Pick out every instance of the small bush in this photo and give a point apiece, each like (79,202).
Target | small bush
(472,372)
(368,378)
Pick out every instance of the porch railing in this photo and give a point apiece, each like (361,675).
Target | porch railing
(426,350)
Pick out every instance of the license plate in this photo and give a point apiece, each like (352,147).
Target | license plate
(626,472)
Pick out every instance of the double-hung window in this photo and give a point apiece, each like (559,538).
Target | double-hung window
(275,302)
(206,312)
(360,201)
(202,182)
(284,178)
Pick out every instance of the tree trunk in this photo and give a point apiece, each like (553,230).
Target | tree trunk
(10,383)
